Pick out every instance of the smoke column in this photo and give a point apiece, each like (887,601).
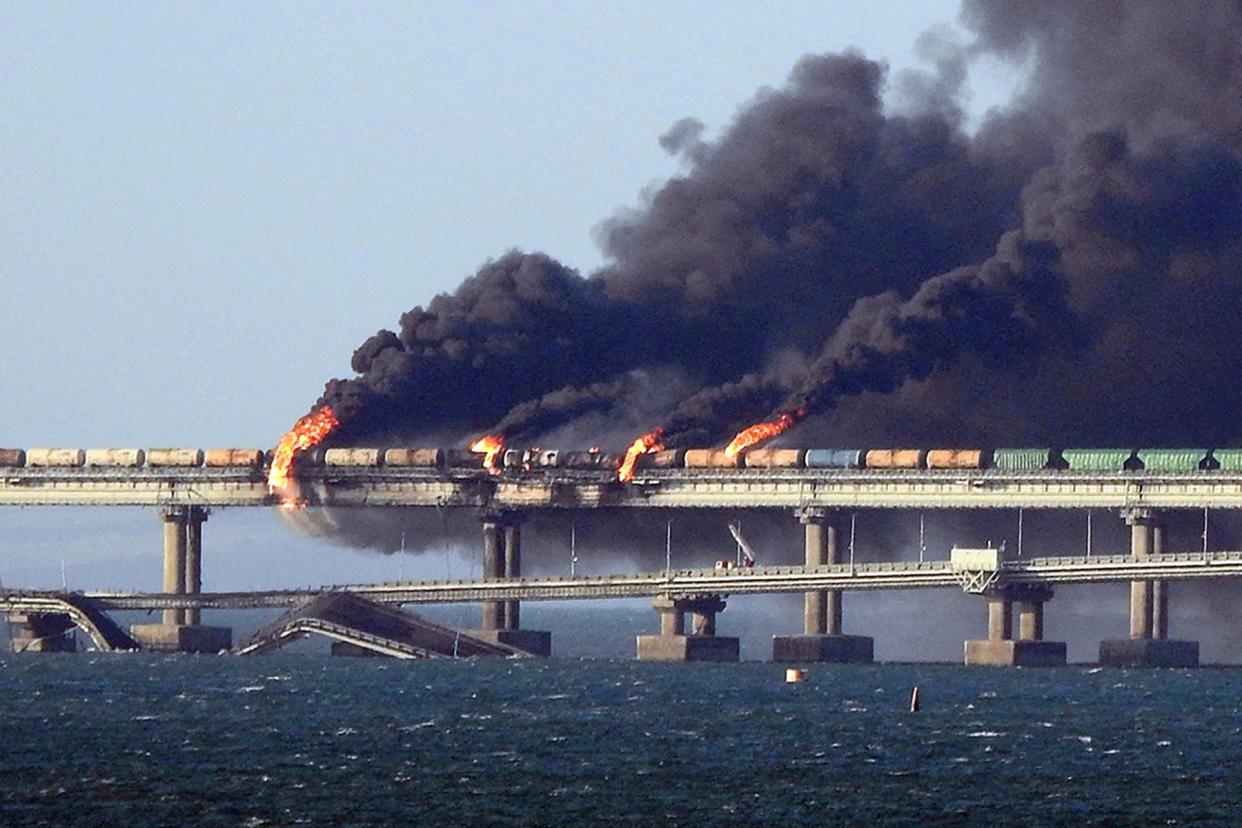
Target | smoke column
(1062,274)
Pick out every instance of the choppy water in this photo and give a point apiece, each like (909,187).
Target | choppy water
(141,740)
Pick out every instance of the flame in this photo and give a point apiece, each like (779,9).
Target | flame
(307,432)
(759,432)
(646,444)
(489,445)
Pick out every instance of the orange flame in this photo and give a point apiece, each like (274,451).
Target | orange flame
(759,432)
(646,444)
(489,445)
(307,432)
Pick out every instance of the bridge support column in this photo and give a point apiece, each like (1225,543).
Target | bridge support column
(493,568)
(822,639)
(502,558)
(195,518)
(41,632)
(1148,644)
(702,644)
(1000,648)
(513,570)
(183,575)
(174,559)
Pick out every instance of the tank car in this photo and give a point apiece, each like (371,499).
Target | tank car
(665,459)
(581,460)
(896,458)
(834,458)
(957,459)
(174,457)
(356,457)
(463,459)
(547,458)
(711,459)
(233,458)
(13,458)
(775,458)
(55,457)
(424,457)
(116,457)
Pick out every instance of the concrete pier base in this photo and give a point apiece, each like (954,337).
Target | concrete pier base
(49,632)
(1149,652)
(182,638)
(672,644)
(687,648)
(535,642)
(993,653)
(834,649)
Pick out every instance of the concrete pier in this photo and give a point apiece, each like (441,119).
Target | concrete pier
(1148,644)
(702,644)
(181,630)
(822,638)
(502,558)
(41,632)
(1000,648)
(493,568)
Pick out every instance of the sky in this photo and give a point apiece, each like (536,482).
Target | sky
(204,208)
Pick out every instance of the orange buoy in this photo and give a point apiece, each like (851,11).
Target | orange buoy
(794,675)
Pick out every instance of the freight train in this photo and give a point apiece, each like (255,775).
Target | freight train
(517,461)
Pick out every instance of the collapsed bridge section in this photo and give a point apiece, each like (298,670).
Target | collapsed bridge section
(357,626)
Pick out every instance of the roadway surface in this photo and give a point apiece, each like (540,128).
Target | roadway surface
(761,579)
(659,489)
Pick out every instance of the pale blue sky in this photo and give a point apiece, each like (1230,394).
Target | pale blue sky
(205,207)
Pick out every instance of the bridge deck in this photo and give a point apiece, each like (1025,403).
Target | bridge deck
(763,579)
(683,488)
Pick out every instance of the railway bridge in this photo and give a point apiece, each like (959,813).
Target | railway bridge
(816,497)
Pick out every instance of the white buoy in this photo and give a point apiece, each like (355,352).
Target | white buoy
(794,675)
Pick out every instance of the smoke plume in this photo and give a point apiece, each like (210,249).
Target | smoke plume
(1061,273)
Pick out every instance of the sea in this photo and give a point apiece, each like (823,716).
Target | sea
(301,738)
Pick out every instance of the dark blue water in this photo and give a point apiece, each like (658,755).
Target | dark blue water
(287,739)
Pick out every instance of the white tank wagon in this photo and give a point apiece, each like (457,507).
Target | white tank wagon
(174,457)
(128,458)
(57,457)
(420,457)
(358,457)
(232,458)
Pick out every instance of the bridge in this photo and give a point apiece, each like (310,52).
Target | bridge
(689,582)
(651,489)
(818,497)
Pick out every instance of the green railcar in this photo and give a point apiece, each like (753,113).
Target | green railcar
(1228,459)
(1022,459)
(1172,460)
(1096,459)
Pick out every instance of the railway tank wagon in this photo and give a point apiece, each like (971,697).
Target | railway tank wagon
(12,458)
(831,458)
(63,457)
(126,458)
(232,458)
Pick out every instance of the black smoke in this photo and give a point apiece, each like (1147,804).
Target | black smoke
(1063,272)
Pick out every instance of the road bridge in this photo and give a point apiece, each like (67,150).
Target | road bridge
(1051,571)
(818,497)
